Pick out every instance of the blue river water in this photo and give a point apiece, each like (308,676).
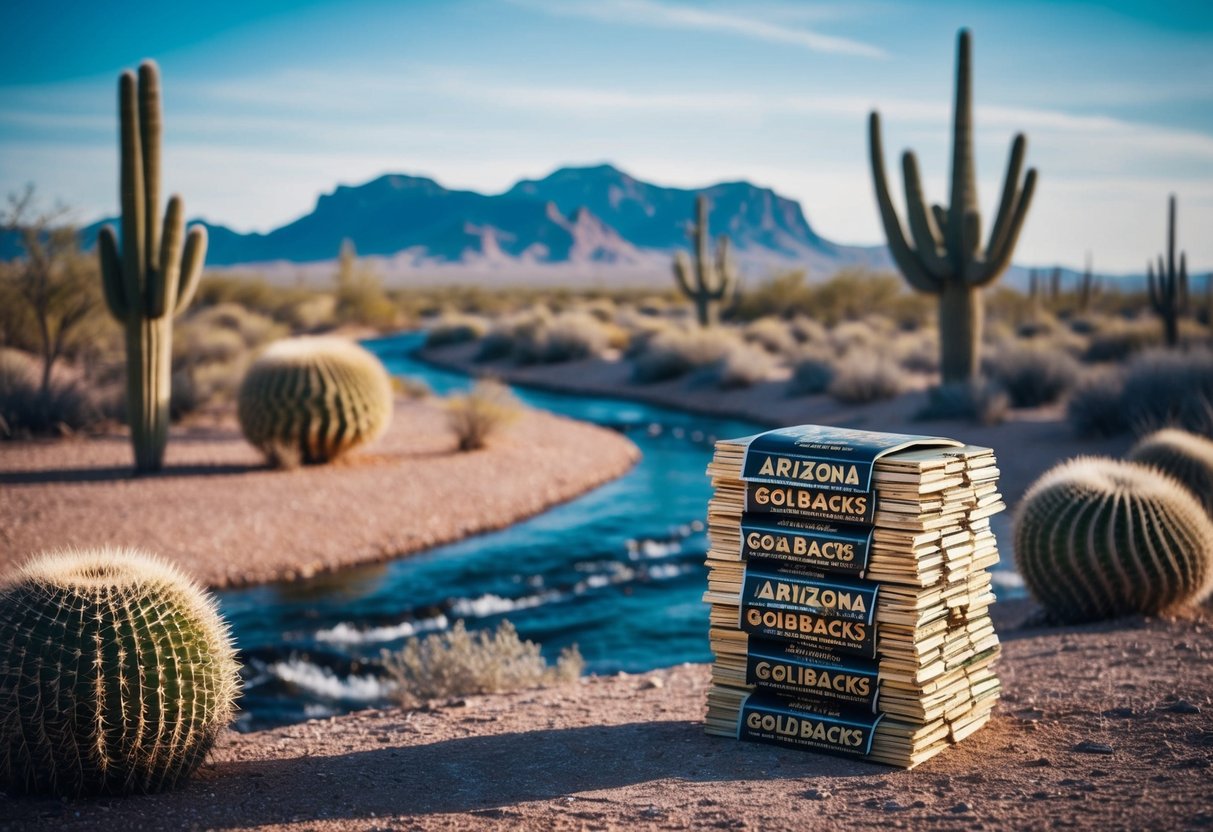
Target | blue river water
(618,572)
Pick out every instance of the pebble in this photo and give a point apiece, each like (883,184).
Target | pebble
(1040,762)
(1091,747)
(961,809)
(1183,706)
(893,806)
(1120,712)
(818,794)
(652,684)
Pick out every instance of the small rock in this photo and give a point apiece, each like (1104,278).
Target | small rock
(1040,795)
(817,794)
(1183,706)
(1091,747)
(1041,762)
(1119,712)
(918,804)
(893,806)
(653,683)
(961,809)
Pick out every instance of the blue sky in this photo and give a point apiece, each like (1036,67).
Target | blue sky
(269,104)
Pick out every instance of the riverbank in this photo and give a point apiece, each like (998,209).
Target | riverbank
(1101,727)
(1027,444)
(220,513)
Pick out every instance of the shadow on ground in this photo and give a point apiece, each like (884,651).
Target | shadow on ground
(473,775)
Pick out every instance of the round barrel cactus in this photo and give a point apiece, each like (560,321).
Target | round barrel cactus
(1100,538)
(116,675)
(1182,455)
(309,400)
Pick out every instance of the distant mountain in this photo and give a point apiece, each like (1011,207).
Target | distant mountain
(577,216)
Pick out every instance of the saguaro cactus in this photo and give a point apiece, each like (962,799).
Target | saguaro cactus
(946,258)
(709,283)
(1088,286)
(155,274)
(1169,286)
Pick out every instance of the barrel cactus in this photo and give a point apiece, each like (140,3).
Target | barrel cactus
(312,399)
(1185,456)
(1101,538)
(116,675)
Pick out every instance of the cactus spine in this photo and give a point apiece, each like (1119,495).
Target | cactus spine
(116,675)
(1185,456)
(1169,285)
(709,284)
(154,276)
(945,258)
(1100,538)
(310,400)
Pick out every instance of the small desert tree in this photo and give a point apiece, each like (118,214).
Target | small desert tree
(360,295)
(51,295)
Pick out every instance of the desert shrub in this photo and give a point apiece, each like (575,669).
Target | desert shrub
(812,370)
(411,388)
(1118,339)
(569,336)
(917,352)
(477,415)
(459,663)
(780,296)
(743,365)
(977,401)
(67,405)
(1031,376)
(854,335)
(1093,409)
(806,330)
(675,352)
(862,377)
(771,334)
(455,329)
(601,309)
(642,331)
(212,349)
(362,302)
(1169,389)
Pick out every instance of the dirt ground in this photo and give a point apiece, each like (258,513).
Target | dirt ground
(1101,727)
(219,512)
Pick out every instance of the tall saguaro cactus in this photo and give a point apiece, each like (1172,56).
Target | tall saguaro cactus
(946,257)
(709,283)
(1169,285)
(154,275)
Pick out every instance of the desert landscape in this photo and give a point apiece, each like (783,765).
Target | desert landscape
(424,509)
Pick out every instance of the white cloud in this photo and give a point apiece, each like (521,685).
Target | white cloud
(672,16)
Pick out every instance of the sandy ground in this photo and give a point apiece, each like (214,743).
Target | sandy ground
(1026,445)
(218,511)
(1102,727)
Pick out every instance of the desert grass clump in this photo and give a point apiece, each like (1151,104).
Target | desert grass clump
(485,410)
(1030,375)
(812,370)
(1093,409)
(459,663)
(65,406)
(314,399)
(861,377)
(743,366)
(808,330)
(1169,389)
(674,352)
(772,334)
(117,675)
(1118,340)
(917,352)
(1182,455)
(453,329)
(1100,538)
(568,336)
(979,400)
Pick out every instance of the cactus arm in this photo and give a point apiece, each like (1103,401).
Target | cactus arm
(903,255)
(150,129)
(162,291)
(1182,294)
(964,181)
(1011,194)
(191,267)
(1152,287)
(996,262)
(927,238)
(941,217)
(726,271)
(682,271)
(111,273)
(133,197)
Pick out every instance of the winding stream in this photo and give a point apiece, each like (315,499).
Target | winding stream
(617,571)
